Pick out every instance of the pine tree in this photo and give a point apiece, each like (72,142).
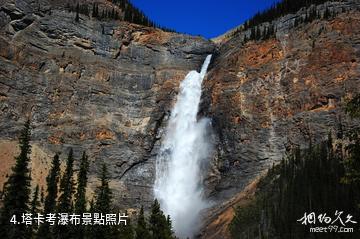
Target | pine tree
(93,10)
(352,163)
(65,204)
(80,197)
(52,181)
(77,18)
(104,194)
(17,191)
(67,186)
(102,205)
(90,231)
(35,208)
(42,196)
(142,230)
(127,231)
(353,107)
(159,225)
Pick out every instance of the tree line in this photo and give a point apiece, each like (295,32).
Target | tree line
(281,9)
(129,13)
(323,179)
(64,194)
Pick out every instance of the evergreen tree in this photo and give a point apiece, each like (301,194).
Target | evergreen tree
(35,208)
(169,225)
(67,186)
(353,107)
(42,196)
(77,18)
(102,204)
(282,8)
(16,193)
(104,194)
(35,203)
(65,204)
(142,230)
(306,181)
(352,163)
(90,232)
(127,231)
(80,197)
(52,181)
(95,10)
(159,225)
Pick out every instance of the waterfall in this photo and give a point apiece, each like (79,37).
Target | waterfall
(184,149)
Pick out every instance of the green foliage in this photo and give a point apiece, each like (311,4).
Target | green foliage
(127,231)
(65,204)
(17,191)
(160,227)
(52,181)
(95,10)
(77,18)
(102,204)
(352,163)
(127,12)
(278,10)
(142,230)
(65,199)
(320,180)
(247,217)
(80,197)
(306,181)
(35,203)
(104,194)
(67,186)
(353,107)
(35,208)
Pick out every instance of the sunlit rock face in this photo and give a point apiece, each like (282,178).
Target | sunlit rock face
(108,88)
(267,97)
(103,87)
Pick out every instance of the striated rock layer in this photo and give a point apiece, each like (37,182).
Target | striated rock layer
(107,88)
(269,96)
(103,87)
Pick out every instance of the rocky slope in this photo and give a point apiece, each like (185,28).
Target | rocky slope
(269,96)
(103,87)
(107,88)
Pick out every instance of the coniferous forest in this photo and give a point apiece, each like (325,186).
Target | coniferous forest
(125,11)
(310,188)
(64,210)
(278,10)
(313,189)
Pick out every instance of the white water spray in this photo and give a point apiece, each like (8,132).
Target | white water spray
(183,151)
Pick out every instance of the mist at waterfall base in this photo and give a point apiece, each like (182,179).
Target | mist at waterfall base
(183,153)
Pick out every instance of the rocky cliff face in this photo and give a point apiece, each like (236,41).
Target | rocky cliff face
(107,88)
(267,97)
(102,87)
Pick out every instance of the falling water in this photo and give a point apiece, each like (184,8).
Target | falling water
(183,152)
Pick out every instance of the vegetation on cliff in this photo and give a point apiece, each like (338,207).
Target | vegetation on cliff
(16,193)
(26,216)
(324,180)
(122,10)
(278,10)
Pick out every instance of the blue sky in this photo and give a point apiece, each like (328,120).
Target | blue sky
(208,18)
